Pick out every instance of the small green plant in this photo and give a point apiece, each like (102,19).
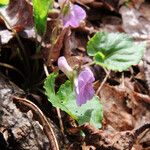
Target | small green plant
(113,51)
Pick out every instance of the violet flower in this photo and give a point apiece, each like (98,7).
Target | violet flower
(83,83)
(72,15)
(84,88)
(64,67)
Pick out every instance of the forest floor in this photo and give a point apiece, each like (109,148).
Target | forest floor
(27,118)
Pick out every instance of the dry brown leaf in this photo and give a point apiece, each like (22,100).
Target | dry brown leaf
(136,21)
(19,14)
(54,51)
(123,140)
(115,110)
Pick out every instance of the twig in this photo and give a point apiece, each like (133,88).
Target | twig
(60,120)
(148,130)
(122,80)
(46,70)
(141,129)
(46,125)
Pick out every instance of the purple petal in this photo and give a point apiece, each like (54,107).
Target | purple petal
(84,88)
(87,76)
(80,13)
(74,16)
(69,20)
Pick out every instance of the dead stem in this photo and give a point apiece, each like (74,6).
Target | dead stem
(143,135)
(141,129)
(122,80)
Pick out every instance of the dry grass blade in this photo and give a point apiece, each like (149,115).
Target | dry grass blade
(13,68)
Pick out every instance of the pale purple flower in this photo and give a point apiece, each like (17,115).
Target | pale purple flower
(83,87)
(72,15)
(83,83)
(64,67)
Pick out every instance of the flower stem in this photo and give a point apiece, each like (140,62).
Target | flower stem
(88,64)
(105,79)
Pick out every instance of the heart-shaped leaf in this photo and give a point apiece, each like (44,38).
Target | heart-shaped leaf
(115,51)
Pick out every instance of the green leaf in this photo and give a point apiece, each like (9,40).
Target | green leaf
(50,89)
(115,51)
(41,9)
(49,85)
(65,99)
(3,2)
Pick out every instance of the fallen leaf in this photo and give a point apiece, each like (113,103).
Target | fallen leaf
(115,110)
(136,21)
(18,14)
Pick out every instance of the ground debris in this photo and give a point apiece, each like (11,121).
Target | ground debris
(117,141)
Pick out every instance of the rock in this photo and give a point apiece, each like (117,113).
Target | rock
(18,130)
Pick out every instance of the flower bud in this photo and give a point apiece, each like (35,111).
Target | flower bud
(64,67)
